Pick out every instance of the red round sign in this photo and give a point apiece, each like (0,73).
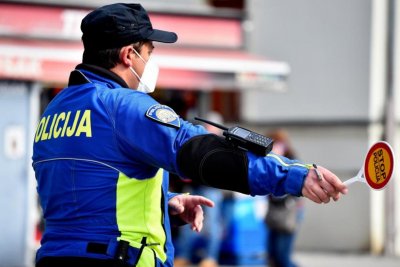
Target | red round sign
(379,165)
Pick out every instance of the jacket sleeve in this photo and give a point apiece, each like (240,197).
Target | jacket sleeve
(275,175)
(191,152)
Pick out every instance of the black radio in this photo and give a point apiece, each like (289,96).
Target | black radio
(244,138)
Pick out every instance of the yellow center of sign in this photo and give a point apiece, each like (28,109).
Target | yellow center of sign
(379,165)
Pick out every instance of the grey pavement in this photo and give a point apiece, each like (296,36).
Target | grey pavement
(318,259)
(307,259)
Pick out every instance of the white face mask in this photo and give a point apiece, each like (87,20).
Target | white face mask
(147,83)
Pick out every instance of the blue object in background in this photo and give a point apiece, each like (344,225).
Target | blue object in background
(244,241)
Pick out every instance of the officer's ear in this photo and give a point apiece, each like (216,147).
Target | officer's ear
(127,56)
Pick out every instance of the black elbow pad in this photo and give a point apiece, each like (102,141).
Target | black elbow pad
(212,161)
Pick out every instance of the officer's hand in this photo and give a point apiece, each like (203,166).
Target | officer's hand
(322,191)
(188,208)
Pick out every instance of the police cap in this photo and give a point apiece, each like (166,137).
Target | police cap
(118,25)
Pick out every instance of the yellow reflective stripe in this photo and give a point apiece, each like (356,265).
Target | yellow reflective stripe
(308,166)
(139,213)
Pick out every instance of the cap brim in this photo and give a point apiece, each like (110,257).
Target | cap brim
(162,36)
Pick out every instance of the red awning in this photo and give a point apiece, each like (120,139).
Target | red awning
(25,53)
(203,69)
(58,23)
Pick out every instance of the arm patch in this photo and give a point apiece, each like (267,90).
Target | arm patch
(164,115)
(212,161)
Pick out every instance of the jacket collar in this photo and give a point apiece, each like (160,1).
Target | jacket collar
(79,76)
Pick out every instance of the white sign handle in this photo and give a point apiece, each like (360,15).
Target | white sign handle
(358,178)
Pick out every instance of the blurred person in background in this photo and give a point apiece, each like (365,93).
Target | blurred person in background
(203,246)
(284,213)
(104,147)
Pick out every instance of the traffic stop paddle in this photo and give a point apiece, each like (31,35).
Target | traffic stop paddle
(378,167)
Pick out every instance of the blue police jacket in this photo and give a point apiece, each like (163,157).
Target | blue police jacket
(101,157)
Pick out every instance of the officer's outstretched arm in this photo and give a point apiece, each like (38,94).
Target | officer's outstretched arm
(212,161)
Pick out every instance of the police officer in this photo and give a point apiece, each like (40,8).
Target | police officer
(103,149)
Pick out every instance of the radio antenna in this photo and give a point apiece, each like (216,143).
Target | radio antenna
(212,123)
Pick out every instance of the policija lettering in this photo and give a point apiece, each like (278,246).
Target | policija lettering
(379,165)
(60,125)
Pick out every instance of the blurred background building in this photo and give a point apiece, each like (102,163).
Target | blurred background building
(326,71)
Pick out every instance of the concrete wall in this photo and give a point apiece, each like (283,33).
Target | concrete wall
(326,107)
(326,44)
